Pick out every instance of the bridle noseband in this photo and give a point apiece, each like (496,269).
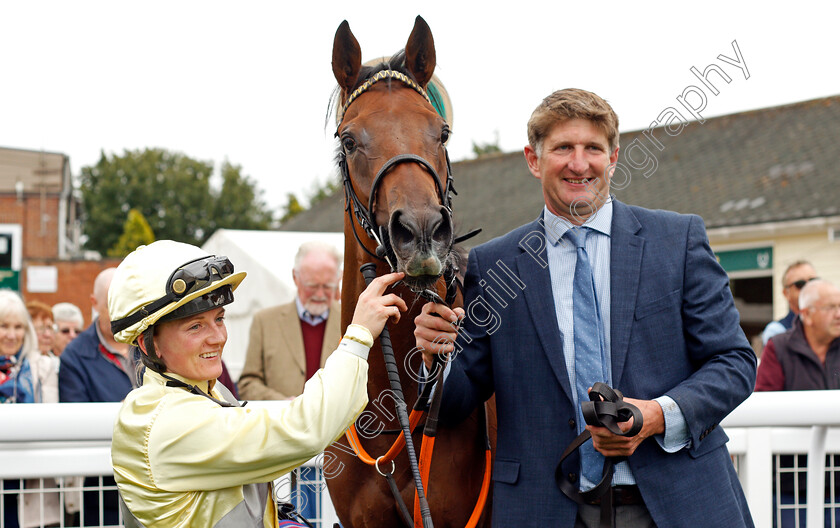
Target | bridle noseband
(364,215)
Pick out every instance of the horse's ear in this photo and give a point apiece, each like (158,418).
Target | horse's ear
(346,58)
(420,52)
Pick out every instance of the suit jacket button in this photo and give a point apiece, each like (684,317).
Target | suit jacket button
(572,477)
(572,423)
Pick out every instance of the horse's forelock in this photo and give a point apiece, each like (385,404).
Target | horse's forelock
(396,63)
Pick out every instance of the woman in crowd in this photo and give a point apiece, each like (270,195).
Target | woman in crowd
(24,374)
(47,362)
(18,352)
(42,319)
(69,323)
(184,452)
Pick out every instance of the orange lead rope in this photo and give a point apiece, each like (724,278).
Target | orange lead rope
(396,447)
(485,490)
(425,463)
(421,467)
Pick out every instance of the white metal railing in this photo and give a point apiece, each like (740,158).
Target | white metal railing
(69,439)
(74,439)
(761,427)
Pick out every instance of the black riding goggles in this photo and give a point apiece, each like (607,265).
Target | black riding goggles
(197,274)
(188,278)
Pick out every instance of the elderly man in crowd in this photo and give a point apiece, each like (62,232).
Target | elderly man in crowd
(290,342)
(94,367)
(806,357)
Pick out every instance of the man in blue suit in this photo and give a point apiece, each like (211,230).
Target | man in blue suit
(662,318)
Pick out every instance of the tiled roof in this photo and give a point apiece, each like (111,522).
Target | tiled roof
(768,165)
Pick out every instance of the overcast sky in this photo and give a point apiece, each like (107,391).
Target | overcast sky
(250,81)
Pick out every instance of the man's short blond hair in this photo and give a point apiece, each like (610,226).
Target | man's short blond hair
(571,103)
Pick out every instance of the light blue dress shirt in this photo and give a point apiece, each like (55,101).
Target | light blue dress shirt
(562,257)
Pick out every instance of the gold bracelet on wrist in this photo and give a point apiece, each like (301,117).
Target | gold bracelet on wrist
(361,340)
(357,340)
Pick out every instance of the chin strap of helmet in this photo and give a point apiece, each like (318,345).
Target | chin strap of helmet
(172,382)
(150,357)
(155,363)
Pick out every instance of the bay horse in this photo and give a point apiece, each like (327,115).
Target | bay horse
(393,159)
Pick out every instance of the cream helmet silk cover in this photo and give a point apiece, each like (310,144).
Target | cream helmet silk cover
(155,280)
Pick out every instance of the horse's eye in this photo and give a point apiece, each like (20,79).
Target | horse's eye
(444,135)
(349,144)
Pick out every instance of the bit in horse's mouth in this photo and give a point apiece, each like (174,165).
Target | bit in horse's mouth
(420,283)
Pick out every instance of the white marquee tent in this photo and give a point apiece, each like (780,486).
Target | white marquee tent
(268,258)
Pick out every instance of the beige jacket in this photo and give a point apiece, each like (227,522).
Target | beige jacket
(275,364)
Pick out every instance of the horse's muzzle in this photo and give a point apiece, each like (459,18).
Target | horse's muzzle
(421,241)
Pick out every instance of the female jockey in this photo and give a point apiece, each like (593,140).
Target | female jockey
(185,454)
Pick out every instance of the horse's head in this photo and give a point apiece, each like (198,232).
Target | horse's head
(392,156)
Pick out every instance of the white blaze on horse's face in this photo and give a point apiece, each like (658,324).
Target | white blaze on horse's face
(386,120)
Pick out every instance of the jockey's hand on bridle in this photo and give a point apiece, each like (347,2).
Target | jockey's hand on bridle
(436,329)
(375,307)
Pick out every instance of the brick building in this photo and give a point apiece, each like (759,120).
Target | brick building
(40,230)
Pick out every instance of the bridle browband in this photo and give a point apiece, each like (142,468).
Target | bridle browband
(364,215)
(378,76)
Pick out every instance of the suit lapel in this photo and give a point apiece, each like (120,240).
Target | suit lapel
(293,336)
(532,268)
(626,250)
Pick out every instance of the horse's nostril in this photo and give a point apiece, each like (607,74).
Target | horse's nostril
(402,229)
(442,230)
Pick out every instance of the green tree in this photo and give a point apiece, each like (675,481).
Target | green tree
(484,149)
(136,232)
(291,208)
(239,204)
(323,191)
(172,191)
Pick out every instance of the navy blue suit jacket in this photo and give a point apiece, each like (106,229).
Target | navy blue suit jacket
(86,375)
(674,330)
